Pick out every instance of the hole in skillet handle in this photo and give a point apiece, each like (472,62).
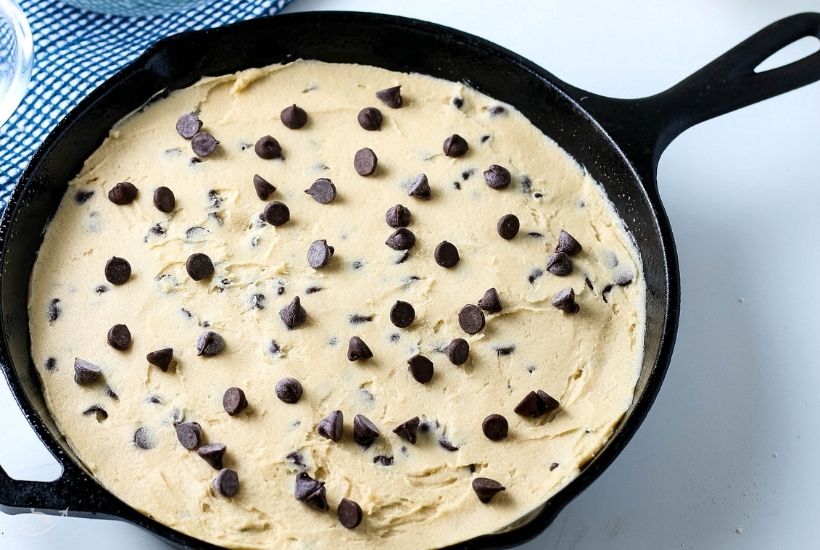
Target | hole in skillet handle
(793,52)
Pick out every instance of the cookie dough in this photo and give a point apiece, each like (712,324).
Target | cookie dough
(245,257)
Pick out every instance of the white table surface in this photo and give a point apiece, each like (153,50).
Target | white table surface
(727,458)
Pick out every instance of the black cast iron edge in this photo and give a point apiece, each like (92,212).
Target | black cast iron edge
(642,128)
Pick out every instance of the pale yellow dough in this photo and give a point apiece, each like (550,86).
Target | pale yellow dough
(589,361)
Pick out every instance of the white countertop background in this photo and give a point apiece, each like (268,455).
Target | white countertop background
(727,458)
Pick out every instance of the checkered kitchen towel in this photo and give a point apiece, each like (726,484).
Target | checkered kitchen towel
(75,50)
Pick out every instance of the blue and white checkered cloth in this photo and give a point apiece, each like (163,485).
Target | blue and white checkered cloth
(75,50)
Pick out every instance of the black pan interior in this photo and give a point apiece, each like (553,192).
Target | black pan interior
(392,43)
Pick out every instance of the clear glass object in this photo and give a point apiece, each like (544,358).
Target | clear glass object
(16,48)
(135,7)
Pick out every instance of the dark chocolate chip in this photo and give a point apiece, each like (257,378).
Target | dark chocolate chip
(455,146)
(365,161)
(357,319)
(189,435)
(123,193)
(446,254)
(402,314)
(164,199)
(203,144)
(188,125)
(490,302)
(263,187)
(322,190)
(349,513)
(51,364)
(398,216)
(364,431)
(559,264)
(496,110)
(384,460)
(109,391)
(419,187)
(536,404)
(276,213)
(458,351)
(553,466)
(391,97)
(535,274)
(85,372)
(485,138)
(234,401)
(370,118)
(54,310)
(313,289)
(161,358)
(401,239)
(81,197)
(293,314)
(119,337)
(567,244)
(100,413)
(458,102)
(508,226)
(293,117)
(319,254)
(267,148)
(408,430)
(447,445)
(331,426)
(548,402)
(101,289)
(199,266)
(297,459)
(209,344)
(497,176)
(289,390)
(495,427)
(486,488)
(471,319)
(226,483)
(565,301)
(212,453)
(258,301)
(117,271)
(142,439)
(421,368)
(504,350)
(357,350)
(310,491)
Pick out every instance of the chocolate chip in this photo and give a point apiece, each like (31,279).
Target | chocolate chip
(289,390)
(234,401)
(495,427)
(384,460)
(497,176)
(421,368)
(402,314)
(226,483)
(567,244)
(123,193)
(209,344)
(365,161)
(189,434)
(446,254)
(310,491)
(161,358)
(401,239)
(212,453)
(508,226)
(293,117)
(331,426)
(370,118)
(357,350)
(263,187)
(458,102)
(364,431)
(447,445)
(199,266)
(486,488)
(407,430)
(276,213)
(419,187)
(490,302)
(559,264)
(100,413)
(391,97)
(398,216)
(81,197)
(458,351)
(319,254)
(85,372)
(534,275)
(54,310)
(471,319)
(203,144)
(188,125)
(119,337)
(357,319)
(553,466)
(536,404)
(455,146)
(142,439)
(547,401)
(51,364)
(101,289)
(164,199)
(109,391)
(267,148)
(293,314)
(565,301)
(349,513)
(504,350)
(117,271)
(496,110)
(322,190)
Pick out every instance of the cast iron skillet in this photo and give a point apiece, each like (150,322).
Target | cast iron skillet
(618,141)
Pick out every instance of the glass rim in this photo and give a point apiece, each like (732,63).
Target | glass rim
(23,58)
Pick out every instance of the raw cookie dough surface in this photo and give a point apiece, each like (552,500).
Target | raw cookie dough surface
(412,495)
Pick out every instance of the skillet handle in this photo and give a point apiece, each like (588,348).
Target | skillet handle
(645,127)
(66,495)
